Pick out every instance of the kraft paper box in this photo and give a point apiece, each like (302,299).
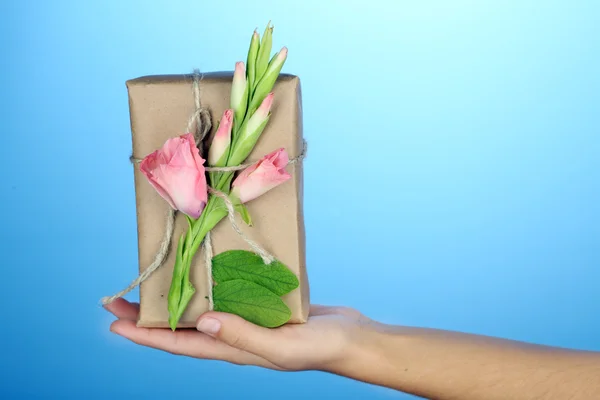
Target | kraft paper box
(160,107)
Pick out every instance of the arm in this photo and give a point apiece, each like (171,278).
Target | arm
(447,365)
(426,362)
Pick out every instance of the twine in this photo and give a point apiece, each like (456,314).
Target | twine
(159,259)
(208,256)
(201,118)
(264,254)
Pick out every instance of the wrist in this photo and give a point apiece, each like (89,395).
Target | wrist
(376,353)
(362,345)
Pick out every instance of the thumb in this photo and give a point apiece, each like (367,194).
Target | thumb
(239,333)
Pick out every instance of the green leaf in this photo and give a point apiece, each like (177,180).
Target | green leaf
(252,302)
(243,211)
(240,264)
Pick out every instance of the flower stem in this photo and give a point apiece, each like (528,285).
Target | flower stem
(182,290)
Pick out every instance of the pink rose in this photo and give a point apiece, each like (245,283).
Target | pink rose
(262,176)
(177,173)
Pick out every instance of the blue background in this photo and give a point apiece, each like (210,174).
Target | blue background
(453,179)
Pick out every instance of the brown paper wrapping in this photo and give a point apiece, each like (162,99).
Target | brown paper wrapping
(160,107)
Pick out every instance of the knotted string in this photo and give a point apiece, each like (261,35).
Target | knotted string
(201,118)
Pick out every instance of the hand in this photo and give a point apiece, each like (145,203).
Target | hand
(323,343)
(425,362)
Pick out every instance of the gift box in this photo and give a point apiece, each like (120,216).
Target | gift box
(160,107)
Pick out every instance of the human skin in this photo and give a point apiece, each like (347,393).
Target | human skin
(431,363)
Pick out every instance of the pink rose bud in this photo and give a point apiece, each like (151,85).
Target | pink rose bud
(261,177)
(221,141)
(251,131)
(281,56)
(260,115)
(265,107)
(239,91)
(177,173)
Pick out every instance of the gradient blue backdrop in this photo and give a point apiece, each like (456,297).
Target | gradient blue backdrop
(453,179)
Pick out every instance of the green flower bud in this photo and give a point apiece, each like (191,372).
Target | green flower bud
(264,53)
(265,85)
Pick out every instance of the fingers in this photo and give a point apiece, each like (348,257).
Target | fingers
(240,334)
(123,309)
(178,342)
(186,342)
(183,342)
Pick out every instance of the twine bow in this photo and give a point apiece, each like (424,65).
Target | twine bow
(202,121)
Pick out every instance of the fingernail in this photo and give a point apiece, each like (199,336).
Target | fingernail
(210,326)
